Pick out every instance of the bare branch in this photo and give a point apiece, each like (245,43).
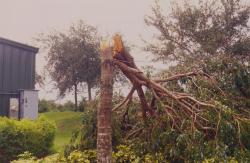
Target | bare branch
(179,76)
(129,96)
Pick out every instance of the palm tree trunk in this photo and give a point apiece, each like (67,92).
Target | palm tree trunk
(104,132)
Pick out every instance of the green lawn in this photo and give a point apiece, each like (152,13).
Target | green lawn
(66,123)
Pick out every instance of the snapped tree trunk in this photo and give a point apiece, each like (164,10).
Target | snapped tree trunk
(104,131)
(76,101)
(89,91)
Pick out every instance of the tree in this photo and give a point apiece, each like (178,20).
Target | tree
(212,36)
(73,58)
(183,117)
(210,28)
(104,131)
(177,126)
(39,79)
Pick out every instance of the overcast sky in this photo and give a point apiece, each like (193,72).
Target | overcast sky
(22,20)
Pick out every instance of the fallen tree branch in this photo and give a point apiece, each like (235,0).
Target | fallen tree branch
(177,105)
(126,99)
(179,76)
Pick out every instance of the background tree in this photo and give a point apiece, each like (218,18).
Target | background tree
(73,58)
(39,79)
(212,36)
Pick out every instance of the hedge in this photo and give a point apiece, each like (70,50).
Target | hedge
(26,135)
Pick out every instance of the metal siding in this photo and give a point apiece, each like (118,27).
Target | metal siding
(15,82)
(22,69)
(18,45)
(27,72)
(1,67)
(6,79)
(19,74)
(1,105)
(33,68)
(30,86)
(17,71)
(6,69)
(4,104)
(10,70)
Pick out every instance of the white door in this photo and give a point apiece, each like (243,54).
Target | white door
(29,104)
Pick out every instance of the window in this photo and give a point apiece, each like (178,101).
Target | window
(14,108)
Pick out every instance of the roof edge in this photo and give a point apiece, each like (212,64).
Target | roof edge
(19,45)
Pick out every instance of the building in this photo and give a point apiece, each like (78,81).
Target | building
(18,99)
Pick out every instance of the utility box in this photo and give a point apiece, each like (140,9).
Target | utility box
(28,104)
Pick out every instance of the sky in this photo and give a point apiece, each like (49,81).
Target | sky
(23,20)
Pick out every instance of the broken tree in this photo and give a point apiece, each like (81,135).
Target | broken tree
(178,106)
(104,130)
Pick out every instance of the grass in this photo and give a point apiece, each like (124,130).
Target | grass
(66,123)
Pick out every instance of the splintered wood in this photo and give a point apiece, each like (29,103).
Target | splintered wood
(177,106)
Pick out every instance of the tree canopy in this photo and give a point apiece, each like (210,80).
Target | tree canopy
(73,57)
(212,36)
(206,29)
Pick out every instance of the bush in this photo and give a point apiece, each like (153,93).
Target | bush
(46,106)
(122,154)
(27,157)
(230,141)
(85,137)
(25,135)
(51,106)
(87,156)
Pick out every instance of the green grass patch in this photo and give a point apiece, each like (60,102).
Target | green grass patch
(66,123)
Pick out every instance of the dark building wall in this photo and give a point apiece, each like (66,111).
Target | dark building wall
(17,70)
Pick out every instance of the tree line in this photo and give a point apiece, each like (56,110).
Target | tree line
(73,60)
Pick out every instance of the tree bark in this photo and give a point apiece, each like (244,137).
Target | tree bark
(104,131)
(89,91)
(76,101)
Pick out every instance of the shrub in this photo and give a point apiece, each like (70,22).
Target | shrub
(43,106)
(27,157)
(87,156)
(50,105)
(25,135)
(231,141)
(46,106)
(85,137)
(123,154)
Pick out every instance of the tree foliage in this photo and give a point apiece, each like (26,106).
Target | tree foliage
(158,141)
(73,57)
(212,36)
(203,30)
